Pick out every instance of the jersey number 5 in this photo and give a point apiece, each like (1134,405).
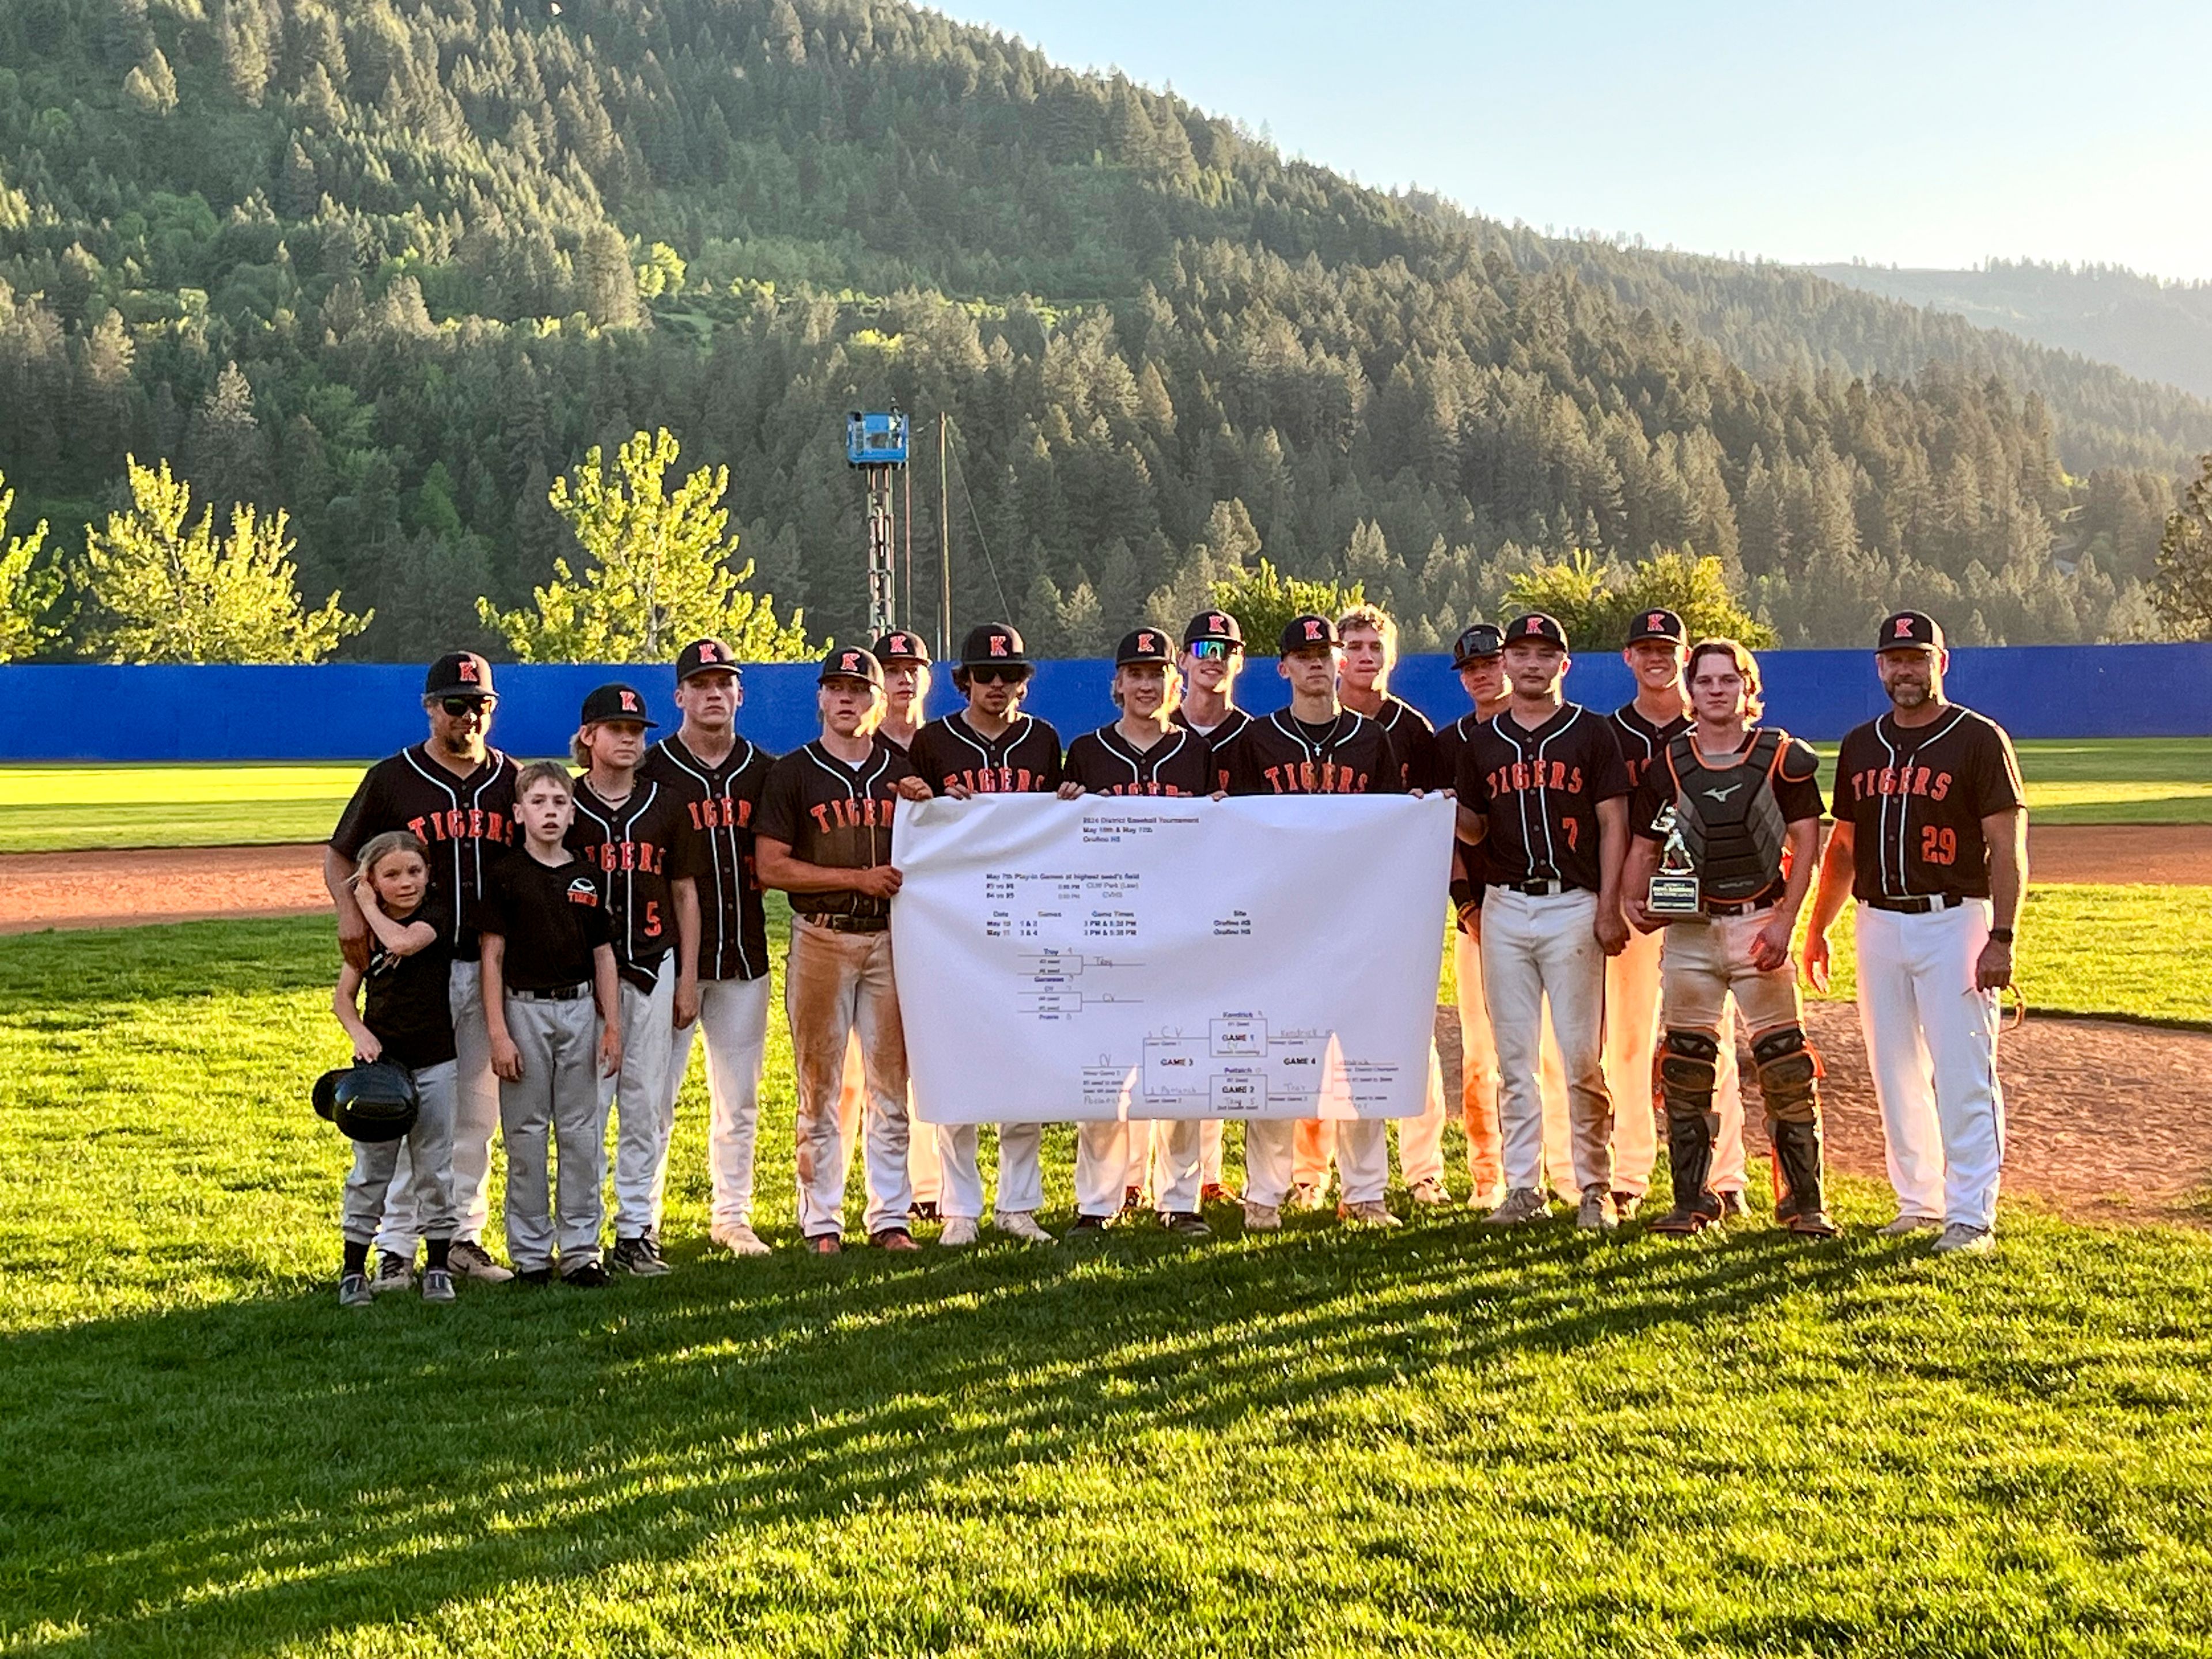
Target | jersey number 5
(1939,844)
(653,918)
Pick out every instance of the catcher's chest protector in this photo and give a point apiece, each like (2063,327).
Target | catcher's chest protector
(1730,821)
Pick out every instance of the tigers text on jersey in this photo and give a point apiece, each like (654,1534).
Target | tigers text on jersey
(1539,790)
(464,822)
(634,851)
(721,802)
(1023,758)
(1220,740)
(1641,740)
(836,816)
(1282,755)
(1415,740)
(1916,796)
(1107,763)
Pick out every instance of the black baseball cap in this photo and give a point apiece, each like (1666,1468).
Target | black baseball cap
(1535,625)
(991,645)
(615,702)
(1303,633)
(707,656)
(1903,630)
(1213,625)
(1145,645)
(850,662)
(1657,625)
(901,646)
(458,674)
(1476,641)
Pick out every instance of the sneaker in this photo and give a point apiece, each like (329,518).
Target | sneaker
(1306,1195)
(1261,1217)
(739,1238)
(1428,1190)
(534,1276)
(893,1238)
(1371,1213)
(1521,1205)
(1732,1204)
(922,1209)
(394,1272)
(1132,1198)
(1626,1205)
(353,1292)
(1595,1213)
(1088,1229)
(959,1230)
(438,1285)
(1186,1223)
(1019,1224)
(825,1244)
(471,1261)
(1214,1192)
(639,1256)
(1905,1225)
(589,1276)
(1964,1238)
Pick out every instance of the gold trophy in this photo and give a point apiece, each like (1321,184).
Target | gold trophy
(1676,889)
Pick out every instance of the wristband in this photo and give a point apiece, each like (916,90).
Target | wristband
(2001,935)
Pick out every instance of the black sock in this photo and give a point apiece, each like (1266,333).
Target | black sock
(356,1258)
(435,1251)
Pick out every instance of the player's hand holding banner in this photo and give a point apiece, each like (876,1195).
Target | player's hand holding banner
(1157,958)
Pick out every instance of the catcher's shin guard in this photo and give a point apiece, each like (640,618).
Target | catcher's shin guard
(1790,1081)
(1688,1068)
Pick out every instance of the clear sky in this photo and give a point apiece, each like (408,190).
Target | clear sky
(1937,133)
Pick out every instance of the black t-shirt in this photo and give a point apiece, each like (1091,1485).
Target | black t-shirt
(1107,763)
(836,816)
(1796,786)
(1642,741)
(1916,797)
(1540,791)
(634,850)
(1219,741)
(551,917)
(1282,755)
(1022,759)
(720,804)
(464,822)
(405,1002)
(1415,740)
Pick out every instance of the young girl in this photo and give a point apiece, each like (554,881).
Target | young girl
(408,1022)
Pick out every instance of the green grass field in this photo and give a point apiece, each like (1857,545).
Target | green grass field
(1440,1441)
(49,808)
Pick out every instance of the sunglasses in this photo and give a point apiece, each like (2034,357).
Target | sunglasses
(1211,650)
(997,676)
(458,706)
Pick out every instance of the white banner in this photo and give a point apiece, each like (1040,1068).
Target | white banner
(1149,958)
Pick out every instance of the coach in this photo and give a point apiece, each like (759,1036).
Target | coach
(455,794)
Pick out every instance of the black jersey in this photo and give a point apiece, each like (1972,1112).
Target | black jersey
(1220,740)
(1539,791)
(1916,797)
(1451,742)
(1023,759)
(551,917)
(1642,741)
(405,1001)
(1107,763)
(466,821)
(634,851)
(719,803)
(1282,755)
(834,815)
(1415,740)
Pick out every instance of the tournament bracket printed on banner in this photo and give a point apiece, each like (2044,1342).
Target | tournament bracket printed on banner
(1155,957)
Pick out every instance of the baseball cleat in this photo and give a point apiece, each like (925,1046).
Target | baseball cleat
(1132,1198)
(1810,1223)
(1905,1225)
(959,1230)
(1088,1229)
(589,1276)
(893,1238)
(1261,1217)
(1521,1206)
(1019,1224)
(1428,1190)
(1964,1238)
(1594,1212)
(353,1292)
(1732,1204)
(1186,1223)
(471,1261)
(394,1272)
(534,1277)
(639,1256)
(1371,1213)
(922,1209)
(739,1238)
(438,1286)
(825,1244)
(1626,1205)
(1683,1219)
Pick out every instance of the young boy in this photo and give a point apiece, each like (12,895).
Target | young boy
(408,1023)
(547,969)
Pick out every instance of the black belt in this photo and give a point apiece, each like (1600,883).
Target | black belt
(1737,907)
(849,924)
(1920,904)
(1549,887)
(558,993)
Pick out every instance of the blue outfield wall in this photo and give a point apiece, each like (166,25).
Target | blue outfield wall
(348,711)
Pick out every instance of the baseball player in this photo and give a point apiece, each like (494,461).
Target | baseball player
(990,747)
(553,1008)
(455,794)
(1142,753)
(1931,839)
(824,835)
(1315,747)
(1543,785)
(1745,802)
(634,836)
(715,777)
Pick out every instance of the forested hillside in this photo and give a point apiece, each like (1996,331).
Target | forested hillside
(394,264)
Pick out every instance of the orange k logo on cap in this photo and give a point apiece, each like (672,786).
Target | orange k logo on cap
(998,645)
(707,654)
(630,702)
(1313,630)
(1533,626)
(1905,627)
(468,671)
(851,661)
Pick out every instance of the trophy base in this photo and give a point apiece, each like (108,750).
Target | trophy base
(1674,898)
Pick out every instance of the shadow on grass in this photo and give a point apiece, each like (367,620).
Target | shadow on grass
(281,1466)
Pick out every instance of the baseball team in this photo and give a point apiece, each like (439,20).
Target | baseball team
(534,947)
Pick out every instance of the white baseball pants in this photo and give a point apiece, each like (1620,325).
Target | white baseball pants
(554,1110)
(429,1147)
(1021,1173)
(1537,949)
(475,1115)
(834,985)
(733,1015)
(1931,1038)
(925,1176)
(646,1104)
(1109,1159)
(1362,1159)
